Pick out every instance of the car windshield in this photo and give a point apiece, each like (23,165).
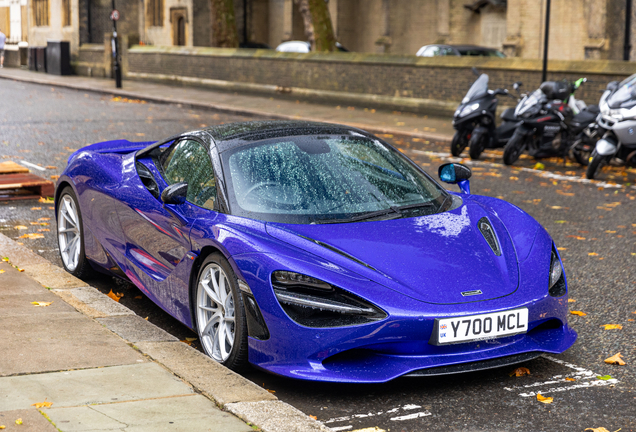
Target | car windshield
(327,179)
(478,89)
(623,97)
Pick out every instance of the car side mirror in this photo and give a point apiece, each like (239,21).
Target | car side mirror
(612,85)
(175,193)
(455,173)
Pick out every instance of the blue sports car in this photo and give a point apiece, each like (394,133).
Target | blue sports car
(315,251)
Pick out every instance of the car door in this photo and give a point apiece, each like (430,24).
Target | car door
(158,234)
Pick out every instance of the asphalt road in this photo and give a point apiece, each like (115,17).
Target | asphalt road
(593,224)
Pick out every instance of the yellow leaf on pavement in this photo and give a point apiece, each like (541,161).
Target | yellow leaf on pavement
(20,227)
(570,379)
(41,304)
(612,326)
(592,254)
(571,301)
(539,166)
(42,404)
(36,208)
(6,259)
(599,429)
(114,296)
(1,271)
(2,426)
(32,236)
(18,421)
(579,313)
(615,360)
(543,399)
(191,339)
(520,371)
(313,417)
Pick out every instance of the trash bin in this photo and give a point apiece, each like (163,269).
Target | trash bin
(40,55)
(58,57)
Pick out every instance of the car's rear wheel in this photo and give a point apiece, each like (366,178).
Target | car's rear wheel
(219,313)
(70,235)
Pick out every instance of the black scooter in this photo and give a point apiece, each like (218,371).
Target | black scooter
(474,120)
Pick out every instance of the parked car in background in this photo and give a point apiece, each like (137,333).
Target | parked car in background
(302,47)
(458,50)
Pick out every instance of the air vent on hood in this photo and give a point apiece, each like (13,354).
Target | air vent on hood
(489,234)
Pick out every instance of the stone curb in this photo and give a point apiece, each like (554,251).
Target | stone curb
(226,388)
(228,108)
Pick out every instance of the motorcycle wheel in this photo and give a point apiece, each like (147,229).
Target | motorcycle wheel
(596,162)
(581,152)
(515,146)
(459,143)
(477,144)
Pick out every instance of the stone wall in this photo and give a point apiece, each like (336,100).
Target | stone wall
(401,78)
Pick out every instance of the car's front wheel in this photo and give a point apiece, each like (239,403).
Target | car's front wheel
(219,313)
(70,235)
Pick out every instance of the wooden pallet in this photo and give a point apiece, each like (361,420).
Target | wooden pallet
(11,167)
(24,186)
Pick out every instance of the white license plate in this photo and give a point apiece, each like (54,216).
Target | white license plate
(478,327)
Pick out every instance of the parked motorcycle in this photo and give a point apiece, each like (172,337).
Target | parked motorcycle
(474,120)
(617,120)
(553,123)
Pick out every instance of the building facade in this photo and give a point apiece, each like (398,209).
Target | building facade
(13,18)
(579,29)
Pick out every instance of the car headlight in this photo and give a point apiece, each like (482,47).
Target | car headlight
(468,109)
(315,303)
(557,279)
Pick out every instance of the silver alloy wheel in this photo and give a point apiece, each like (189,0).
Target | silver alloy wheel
(68,232)
(215,313)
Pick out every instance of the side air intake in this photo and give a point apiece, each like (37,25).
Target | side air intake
(489,234)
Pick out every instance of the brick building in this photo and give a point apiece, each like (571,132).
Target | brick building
(580,29)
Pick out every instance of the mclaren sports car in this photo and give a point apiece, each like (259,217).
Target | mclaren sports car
(316,251)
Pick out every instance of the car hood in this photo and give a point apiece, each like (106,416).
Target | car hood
(432,258)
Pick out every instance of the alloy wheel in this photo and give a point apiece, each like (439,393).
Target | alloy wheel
(68,231)
(216,313)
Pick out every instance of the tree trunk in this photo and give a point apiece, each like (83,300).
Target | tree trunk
(224,32)
(318,28)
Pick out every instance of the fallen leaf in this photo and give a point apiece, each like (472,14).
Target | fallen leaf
(186,342)
(592,254)
(32,236)
(18,421)
(579,313)
(520,371)
(2,426)
(615,360)
(51,167)
(604,377)
(191,339)
(560,192)
(612,326)
(571,301)
(562,248)
(55,177)
(114,296)
(41,304)
(6,259)
(599,429)
(20,227)
(44,219)
(18,268)
(1,271)
(36,208)
(313,417)
(543,399)
(560,221)
(539,166)
(42,404)
(570,379)
(138,297)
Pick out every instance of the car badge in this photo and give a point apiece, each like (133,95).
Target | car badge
(471,293)
(631,131)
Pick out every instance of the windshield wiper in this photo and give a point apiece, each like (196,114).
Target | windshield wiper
(361,217)
(412,206)
(441,207)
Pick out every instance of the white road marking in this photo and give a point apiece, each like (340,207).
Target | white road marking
(585,378)
(412,416)
(32,165)
(540,173)
(407,407)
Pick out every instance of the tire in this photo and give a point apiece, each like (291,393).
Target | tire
(219,313)
(581,152)
(459,142)
(514,148)
(477,144)
(596,162)
(70,235)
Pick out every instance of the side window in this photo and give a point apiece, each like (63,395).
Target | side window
(189,162)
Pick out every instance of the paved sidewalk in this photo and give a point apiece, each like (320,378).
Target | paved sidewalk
(376,121)
(103,368)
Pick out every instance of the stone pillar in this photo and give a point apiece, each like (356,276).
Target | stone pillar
(596,18)
(513,44)
(443,21)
